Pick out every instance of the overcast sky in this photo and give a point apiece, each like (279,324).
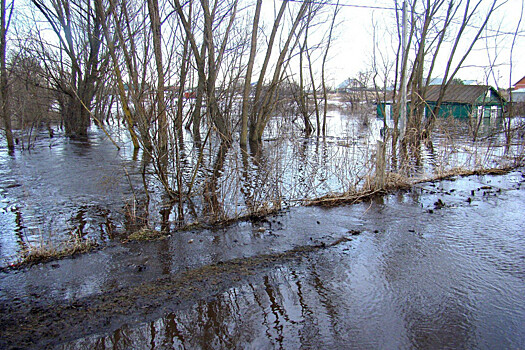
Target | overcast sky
(353,49)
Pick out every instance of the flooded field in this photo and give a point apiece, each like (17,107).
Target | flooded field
(241,263)
(62,190)
(438,266)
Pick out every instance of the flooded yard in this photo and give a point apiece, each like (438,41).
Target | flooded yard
(62,190)
(226,175)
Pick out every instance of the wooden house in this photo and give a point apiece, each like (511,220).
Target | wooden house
(459,101)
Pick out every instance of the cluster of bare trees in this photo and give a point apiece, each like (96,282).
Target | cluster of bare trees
(166,70)
(215,71)
(141,59)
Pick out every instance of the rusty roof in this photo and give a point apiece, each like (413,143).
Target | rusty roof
(457,93)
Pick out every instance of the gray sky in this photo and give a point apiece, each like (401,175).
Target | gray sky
(353,50)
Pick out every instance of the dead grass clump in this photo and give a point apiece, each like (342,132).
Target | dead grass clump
(347,198)
(44,252)
(397,181)
(146,234)
(467,172)
(370,189)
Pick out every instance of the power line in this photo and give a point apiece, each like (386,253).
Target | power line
(348,5)
(456,21)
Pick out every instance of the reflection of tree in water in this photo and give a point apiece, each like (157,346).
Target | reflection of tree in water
(280,310)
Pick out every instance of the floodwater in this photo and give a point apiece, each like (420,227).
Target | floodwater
(62,190)
(439,266)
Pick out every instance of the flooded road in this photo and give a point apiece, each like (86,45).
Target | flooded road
(438,266)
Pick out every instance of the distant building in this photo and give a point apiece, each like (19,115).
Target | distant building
(519,85)
(518,95)
(351,85)
(459,101)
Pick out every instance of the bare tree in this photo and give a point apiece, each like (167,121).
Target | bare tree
(264,103)
(247,79)
(323,65)
(154,17)
(78,27)
(4,98)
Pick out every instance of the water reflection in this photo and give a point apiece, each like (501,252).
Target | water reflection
(451,278)
(91,187)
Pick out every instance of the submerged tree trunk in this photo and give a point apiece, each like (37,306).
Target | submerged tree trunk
(247,80)
(76,117)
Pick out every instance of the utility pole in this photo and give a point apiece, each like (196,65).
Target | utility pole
(403,111)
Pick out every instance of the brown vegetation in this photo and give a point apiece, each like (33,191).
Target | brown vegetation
(36,253)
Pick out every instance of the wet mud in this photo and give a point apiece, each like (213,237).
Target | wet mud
(41,325)
(436,266)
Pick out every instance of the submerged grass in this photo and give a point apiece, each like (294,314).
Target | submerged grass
(146,234)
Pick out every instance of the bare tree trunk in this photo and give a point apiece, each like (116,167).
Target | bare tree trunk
(4,99)
(510,111)
(301,98)
(314,92)
(260,82)
(182,85)
(162,127)
(128,118)
(323,66)
(248,80)
(264,107)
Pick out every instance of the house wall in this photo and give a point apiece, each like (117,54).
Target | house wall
(457,110)
(518,95)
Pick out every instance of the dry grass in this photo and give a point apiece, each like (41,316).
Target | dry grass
(467,172)
(45,252)
(395,182)
(146,234)
(345,199)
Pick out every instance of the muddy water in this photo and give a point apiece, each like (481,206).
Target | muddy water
(454,278)
(440,266)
